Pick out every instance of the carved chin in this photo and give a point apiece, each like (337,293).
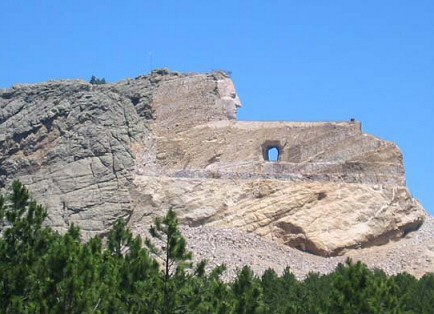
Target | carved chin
(231,108)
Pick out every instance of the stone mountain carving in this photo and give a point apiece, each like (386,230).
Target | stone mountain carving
(132,149)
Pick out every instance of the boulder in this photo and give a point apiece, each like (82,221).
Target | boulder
(96,153)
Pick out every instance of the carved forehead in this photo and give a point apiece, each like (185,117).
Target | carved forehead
(226,87)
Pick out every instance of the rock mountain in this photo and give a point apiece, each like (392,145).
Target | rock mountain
(95,153)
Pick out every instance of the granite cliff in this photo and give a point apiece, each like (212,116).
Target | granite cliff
(94,153)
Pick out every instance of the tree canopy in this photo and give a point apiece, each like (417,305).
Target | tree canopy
(43,271)
(96,81)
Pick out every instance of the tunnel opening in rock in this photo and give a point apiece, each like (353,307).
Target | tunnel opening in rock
(273,154)
(271,151)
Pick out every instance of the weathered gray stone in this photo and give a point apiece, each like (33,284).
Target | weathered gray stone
(132,149)
(70,142)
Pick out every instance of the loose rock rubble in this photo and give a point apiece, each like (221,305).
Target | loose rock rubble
(95,153)
(413,254)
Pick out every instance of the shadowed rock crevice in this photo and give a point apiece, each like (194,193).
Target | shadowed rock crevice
(134,149)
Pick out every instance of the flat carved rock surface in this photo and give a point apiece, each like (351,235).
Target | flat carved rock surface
(94,153)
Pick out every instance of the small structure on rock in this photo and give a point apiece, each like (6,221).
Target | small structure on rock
(94,153)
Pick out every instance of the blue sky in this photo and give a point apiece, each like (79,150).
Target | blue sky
(290,60)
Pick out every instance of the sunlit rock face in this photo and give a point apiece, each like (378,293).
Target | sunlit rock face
(134,149)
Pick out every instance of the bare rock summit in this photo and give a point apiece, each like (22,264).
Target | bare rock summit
(95,153)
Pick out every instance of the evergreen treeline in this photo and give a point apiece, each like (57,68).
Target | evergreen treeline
(42,271)
(96,81)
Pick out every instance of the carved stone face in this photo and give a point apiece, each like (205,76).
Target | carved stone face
(228,97)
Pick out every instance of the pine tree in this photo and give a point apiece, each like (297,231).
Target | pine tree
(406,285)
(42,271)
(248,293)
(96,81)
(92,80)
(138,272)
(349,284)
(423,296)
(173,254)
(314,294)
(356,289)
(24,240)
(205,293)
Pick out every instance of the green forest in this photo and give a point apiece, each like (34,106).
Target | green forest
(43,271)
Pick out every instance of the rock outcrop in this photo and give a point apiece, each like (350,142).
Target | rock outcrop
(70,142)
(133,149)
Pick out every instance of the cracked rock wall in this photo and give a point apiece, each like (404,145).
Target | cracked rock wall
(133,149)
(71,144)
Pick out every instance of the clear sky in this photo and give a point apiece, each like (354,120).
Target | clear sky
(290,60)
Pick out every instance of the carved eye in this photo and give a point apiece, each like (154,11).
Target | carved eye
(233,95)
